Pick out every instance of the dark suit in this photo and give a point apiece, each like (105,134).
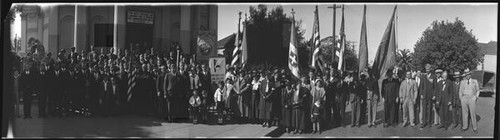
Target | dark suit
(27,87)
(206,82)
(160,93)
(426,90)
(43,82)
(456,103)
(105,96)
(444,98)
(170,89)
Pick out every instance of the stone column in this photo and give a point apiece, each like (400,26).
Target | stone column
(81,28)
(24,38)
(185,34)
(119,18)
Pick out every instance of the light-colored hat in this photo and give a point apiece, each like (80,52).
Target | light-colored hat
(438,71)
(456,74)
(466,72)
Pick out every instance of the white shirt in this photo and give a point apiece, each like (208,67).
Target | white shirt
(218,95)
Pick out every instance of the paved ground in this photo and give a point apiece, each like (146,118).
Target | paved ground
(146,126)
(485,115)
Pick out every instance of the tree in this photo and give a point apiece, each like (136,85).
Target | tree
(351,59)
(448,46)
(265,35)
(403,59)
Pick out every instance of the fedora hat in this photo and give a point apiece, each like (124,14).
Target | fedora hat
(466,72)
(456,74)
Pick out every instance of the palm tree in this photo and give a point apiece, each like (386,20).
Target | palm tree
(403,59)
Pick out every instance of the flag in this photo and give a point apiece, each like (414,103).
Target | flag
(293,57)
(363,45)
(342,43)
(244,46)
(316,51)
(386,53)
(131,84)
(237,43)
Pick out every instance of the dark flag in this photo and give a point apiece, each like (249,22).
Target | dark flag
(363,45)
(386,53)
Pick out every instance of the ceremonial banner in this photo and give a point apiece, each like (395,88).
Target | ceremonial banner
(217,67)
(206,45)
(293,57)
(363,45)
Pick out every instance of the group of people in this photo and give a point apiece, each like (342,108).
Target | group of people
(121,82)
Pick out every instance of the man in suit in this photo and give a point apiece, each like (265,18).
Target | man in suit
(435,107)
(408,95)
(456,112)
(169,87)
(27,87)
(469,93)
(160,91)
(444,101)
(42,84)
(372,98)
(205,82)
(426,92)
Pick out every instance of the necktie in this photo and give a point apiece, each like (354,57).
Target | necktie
(468,81)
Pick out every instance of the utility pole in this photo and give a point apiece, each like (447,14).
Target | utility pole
(333,32)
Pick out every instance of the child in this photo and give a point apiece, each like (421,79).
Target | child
(219,102)
(315,117)
(195,102)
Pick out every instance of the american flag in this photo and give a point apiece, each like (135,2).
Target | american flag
(317,62)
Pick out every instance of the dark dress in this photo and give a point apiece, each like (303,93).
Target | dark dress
(286,107)
(298,115)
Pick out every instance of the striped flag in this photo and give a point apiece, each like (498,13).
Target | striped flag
(342,43)
(131,84)
(237,44)
(316,61)
(244,46)
(293,57)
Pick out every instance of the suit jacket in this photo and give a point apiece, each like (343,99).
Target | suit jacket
(427,86)
(408,90)
(445,90)
(473,84)
(205,80)
(160,78)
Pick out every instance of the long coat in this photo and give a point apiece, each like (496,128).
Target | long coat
(299,106)
(286,107)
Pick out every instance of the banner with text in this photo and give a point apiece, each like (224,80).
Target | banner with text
(217,67)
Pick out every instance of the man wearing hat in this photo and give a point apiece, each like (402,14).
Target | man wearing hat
(456,112)
(435,107)
(469,93)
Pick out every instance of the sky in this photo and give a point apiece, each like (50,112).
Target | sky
(412,20)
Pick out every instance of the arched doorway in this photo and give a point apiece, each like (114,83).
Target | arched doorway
(66,32)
